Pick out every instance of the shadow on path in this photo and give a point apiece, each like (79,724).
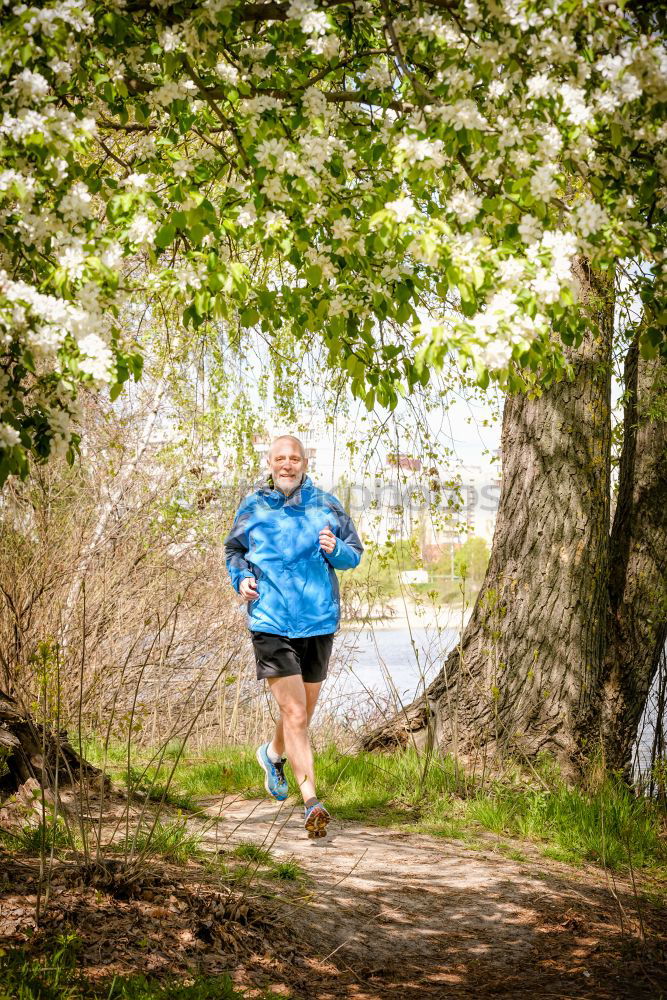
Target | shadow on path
(390,914)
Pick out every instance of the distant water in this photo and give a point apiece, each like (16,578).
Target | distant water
(393,663)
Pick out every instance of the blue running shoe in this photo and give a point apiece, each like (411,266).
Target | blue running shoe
(316,820)
(275,781)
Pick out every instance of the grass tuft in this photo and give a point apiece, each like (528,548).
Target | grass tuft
(288,871)
(253,853)
(34,839)
(171,841)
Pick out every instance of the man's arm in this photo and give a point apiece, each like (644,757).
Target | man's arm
(236,548)
(348,550)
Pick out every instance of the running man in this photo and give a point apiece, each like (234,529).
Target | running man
(287,540)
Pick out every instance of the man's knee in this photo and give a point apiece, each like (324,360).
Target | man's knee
(295,715)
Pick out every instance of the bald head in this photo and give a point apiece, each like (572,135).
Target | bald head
(287,461)
(286,440)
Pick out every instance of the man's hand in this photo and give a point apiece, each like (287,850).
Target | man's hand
(327,540)
(248,588)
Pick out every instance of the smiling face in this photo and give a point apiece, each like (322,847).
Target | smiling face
(287,463)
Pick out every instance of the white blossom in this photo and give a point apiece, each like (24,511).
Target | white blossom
(401,208)
(61,68)
(563,247)
(497,88)
(377,76)
(141,230)
(539,85)
(530,229)
(274,221)
(183,167)
(170,40)
(315,101)
(590,217)
(322,261)
(76,204)
(9,177)
(29,85)
(496,354)
(574,102)
(45,339)
(315,22)
(271,152)
(97,359)
(112,255)
(338,306)
(323,45)
(546,285)
(60,422)
(72,260)
(247,215)
(257,105)
(462,114)
(342,229)
(9,436)
(465,205)
(542,183)
(521,158)
(227,72)
(136,182)
(551,143)
(627,88)
(421,150)
(273,189)
(510,270)
(171,91)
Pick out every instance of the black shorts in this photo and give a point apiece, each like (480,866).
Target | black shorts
(278,656)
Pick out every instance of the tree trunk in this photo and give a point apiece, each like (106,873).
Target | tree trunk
(637,614)
(28,751)
(526,673)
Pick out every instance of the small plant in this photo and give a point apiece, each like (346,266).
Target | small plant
(288,871)
(54,977)
(146,783)
(253,853)
(172,841)
(34,839)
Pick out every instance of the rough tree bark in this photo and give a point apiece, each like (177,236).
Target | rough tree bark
(637,612)
(536,668)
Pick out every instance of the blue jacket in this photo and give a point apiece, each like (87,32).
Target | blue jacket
(276,539)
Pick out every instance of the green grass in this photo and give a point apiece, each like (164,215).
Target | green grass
(212,772)
(253,852)
(288,871)
(33,839)
(147,783)
(607,826)
(57,977)
(256,857)
(171,841)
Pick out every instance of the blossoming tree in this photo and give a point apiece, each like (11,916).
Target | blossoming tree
(407,181)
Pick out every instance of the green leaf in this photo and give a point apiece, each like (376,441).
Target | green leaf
(249,317)
(165,235)
(313,275)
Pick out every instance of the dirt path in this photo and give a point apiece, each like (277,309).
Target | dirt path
(389,914)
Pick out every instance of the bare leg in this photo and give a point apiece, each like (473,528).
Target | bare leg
(290,693)
(312,694)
